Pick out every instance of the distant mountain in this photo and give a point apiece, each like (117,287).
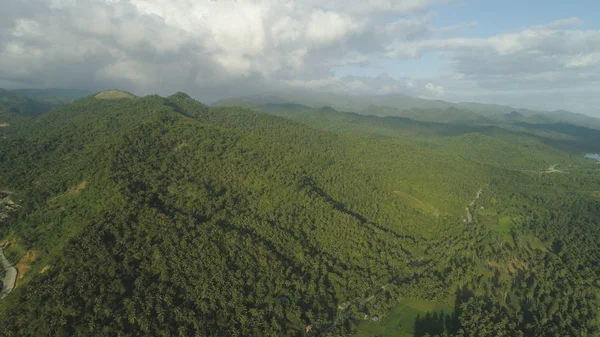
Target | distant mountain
(564,116)
(399,105)
(515,115)
(21,103)
(450,114)
(436,125)
(72,94)
(336,101)
(24,105)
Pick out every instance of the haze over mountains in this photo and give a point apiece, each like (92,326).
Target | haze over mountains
(416,108)
(450,50)
(396,105)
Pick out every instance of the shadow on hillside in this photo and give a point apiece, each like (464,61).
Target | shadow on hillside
(438,322)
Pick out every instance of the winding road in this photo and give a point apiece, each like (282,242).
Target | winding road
(472,204)
(11,275)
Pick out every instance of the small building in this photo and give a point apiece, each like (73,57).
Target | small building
(375,318)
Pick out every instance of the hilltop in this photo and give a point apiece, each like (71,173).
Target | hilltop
(114,94)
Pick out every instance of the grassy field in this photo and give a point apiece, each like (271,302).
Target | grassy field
(504,225)
(407,317)
(532,243)
(114,94)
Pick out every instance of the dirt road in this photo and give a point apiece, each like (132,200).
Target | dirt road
(472,204)
(10,278)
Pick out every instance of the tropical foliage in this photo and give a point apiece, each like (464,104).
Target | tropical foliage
(163,216)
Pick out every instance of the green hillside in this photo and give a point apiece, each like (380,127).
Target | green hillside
(518,146)
(162,216)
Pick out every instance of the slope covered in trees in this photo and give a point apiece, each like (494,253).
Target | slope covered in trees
(163,216)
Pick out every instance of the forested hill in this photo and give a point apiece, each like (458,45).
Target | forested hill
(159,216)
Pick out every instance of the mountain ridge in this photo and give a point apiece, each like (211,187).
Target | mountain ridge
(397,104)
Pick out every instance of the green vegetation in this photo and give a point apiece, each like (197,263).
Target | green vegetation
(165,217)
(114,94)
(504,225)
(13,103)
(409,318)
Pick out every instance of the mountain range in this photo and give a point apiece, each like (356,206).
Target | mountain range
(398,105)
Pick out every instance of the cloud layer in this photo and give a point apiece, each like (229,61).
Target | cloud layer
(213,49)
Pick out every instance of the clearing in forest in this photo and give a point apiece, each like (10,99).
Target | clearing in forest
(407,318)
(504,225)
(25,263)
(425,207)
(76,189)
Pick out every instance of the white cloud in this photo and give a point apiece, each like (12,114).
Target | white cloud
(542,56)
(277,40)
(227,47)
(435,90)
(326,27)
(456,28)
(571,22)
(583,60)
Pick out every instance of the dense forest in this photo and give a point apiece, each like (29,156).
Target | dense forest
(154,216)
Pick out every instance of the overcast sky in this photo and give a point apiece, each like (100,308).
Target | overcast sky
(540,54)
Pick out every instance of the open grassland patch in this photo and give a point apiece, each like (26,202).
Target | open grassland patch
(114,94)
(504,225)
(532,243)
(176,146)
(25,263)
(61,201)
(401,320)
(76,189)
(418,204)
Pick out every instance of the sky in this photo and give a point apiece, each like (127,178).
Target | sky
(536,54)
